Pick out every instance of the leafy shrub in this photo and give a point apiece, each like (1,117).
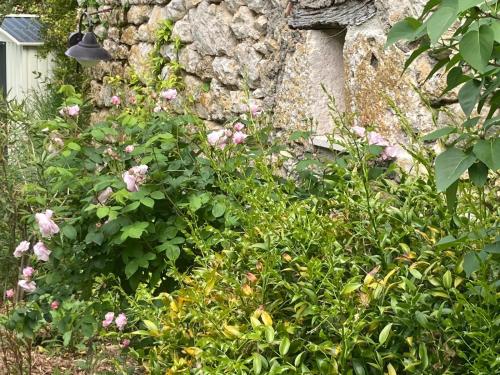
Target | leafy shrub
(305,284)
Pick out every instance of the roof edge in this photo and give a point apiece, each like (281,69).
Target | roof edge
(18,43)
(22,16)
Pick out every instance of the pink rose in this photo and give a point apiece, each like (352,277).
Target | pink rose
(121,321)
(125,343)
(359,131)
(169,94)
(376,139)
(46,224)
(239,138)
(129,149)
(73,110)
(41,251)
(217,138)
(9,294)
(21,249)
(255,110)
(28,286)
(54,305)
(108,319)
(238,126)
(115,100)
(130,182)
(135,177)
(104,196)
(28,272)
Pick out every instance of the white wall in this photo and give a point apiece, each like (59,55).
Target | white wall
(22,61)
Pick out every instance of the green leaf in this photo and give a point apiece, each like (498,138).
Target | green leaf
(284,346)
(102,212)
(94,237)
(447,279)
(450,165)
(471,263)
(257,363)
(67,337)
(173,252)
(148,202)
(69,231)
(476,47)
(358,367)
(466,4)
(493,248)
(131,207)
(73,146)
(455,78)
(421,318)
(269,333)
(478,174)
(157,195)
(131,268)
(436,134)
(451,197)
(422,353)
(440,21)
(218,209)
(384,334)
(468,96)
(403,30)
(351,287)
(488,151)
(134,230)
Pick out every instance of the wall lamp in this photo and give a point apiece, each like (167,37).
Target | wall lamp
(84,48)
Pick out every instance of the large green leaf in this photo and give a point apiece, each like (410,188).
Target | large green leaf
(466,4)
(476,47)
(450,165)
(488,151)
(440,21)
(478,174)
(403,30)
(468,96)
(134,230)
(471,263)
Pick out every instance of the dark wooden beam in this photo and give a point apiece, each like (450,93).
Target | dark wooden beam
(330,14)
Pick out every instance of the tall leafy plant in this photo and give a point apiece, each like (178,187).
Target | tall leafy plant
(464,35)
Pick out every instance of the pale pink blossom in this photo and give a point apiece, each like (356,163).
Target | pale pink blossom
(214,137)
(228,133)
(394,152)
(125,343)
(129,149)
(238,126)
(28,272)
(169,94)
(359,131)
(130,182)
(255,110)
(41,251)
(46,224)
(132,100)
(9,294)
(376,139)
(135,177)
(28,286)
(108,319)
(62,111)
(103,197)
(239,138)
(121,321)
(54,305)
(73,110)
(115,100)
(157,109)
(21,249)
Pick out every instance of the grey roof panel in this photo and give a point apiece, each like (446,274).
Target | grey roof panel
(23,29)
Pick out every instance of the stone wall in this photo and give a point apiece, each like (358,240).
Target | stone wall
(234,47)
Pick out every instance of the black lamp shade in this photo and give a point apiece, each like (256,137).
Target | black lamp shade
(88,51)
